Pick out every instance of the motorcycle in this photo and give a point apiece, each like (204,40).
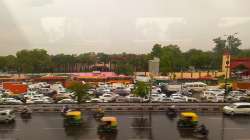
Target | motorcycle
(201,132)
(26,113)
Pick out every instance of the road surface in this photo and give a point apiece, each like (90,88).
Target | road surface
(49,126)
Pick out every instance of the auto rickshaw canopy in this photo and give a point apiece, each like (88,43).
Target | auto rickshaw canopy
(74,114)
(113,120)
(192,115)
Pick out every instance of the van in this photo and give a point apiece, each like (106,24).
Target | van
(195,86)
(7,116)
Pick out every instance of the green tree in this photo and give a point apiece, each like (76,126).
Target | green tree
(199,59)
(231,43)
(156,51)
(171,59)
(36,60)
(141,89)
(80,91)
(11,63)
(244,53)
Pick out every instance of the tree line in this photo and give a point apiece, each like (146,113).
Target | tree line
(171,59)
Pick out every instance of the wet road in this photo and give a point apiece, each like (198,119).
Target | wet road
(49,126)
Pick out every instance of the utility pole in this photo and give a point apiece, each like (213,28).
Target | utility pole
(228,46)
(226,76)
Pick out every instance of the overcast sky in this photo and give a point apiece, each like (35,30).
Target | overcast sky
(116,26)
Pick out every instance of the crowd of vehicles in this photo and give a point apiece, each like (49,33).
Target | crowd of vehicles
(44,93)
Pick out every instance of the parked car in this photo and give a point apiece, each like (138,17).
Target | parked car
(7,116)
(132,98)
(11,101)
(237,108)
(94,100)
(107,97)
(191,99)
(195,86)
(121,91)
(66,101)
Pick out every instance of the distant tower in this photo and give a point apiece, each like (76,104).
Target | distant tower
(153,66)
(226,64)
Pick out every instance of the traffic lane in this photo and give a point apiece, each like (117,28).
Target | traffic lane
(50,126)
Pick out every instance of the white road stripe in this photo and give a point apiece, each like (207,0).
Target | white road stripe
(234,128)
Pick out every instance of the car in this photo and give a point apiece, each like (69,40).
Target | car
(67,101)
(107,97)
(7,116)
(133,98)
(195,86)
(166,100)
(191,99)
(38,101)
(94,100)
(11,101)
(237,108)
(177,99)
(157,97)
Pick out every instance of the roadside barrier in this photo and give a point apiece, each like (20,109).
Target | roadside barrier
(131,107)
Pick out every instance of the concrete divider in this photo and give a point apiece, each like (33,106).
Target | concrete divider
(197,107)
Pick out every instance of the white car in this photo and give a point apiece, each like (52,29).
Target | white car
(7,116)
(94,100)
(38,101)
(133,98)
(237,108)
(191,99)
(157,97)
(66,101)
(11,101)
(107,97)
(177,99)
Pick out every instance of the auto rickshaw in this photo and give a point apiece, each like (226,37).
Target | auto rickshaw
(188,119)
(73,118)
(108,125)
(98,113)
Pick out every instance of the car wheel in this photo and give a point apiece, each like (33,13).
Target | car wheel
(7,121)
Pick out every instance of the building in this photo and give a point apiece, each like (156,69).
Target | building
(153,66)
(235,66)
(97,76)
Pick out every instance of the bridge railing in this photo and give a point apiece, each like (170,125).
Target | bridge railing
(196,107)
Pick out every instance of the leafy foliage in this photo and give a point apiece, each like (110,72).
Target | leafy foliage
(171,59)
(141,89)
(80,90)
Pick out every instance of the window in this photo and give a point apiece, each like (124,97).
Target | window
(3,114)
(243,106)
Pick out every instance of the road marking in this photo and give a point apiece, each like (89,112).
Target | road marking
(234,128)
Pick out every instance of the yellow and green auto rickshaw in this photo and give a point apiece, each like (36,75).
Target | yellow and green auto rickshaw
(73,118)
(188,119)
(108,125)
